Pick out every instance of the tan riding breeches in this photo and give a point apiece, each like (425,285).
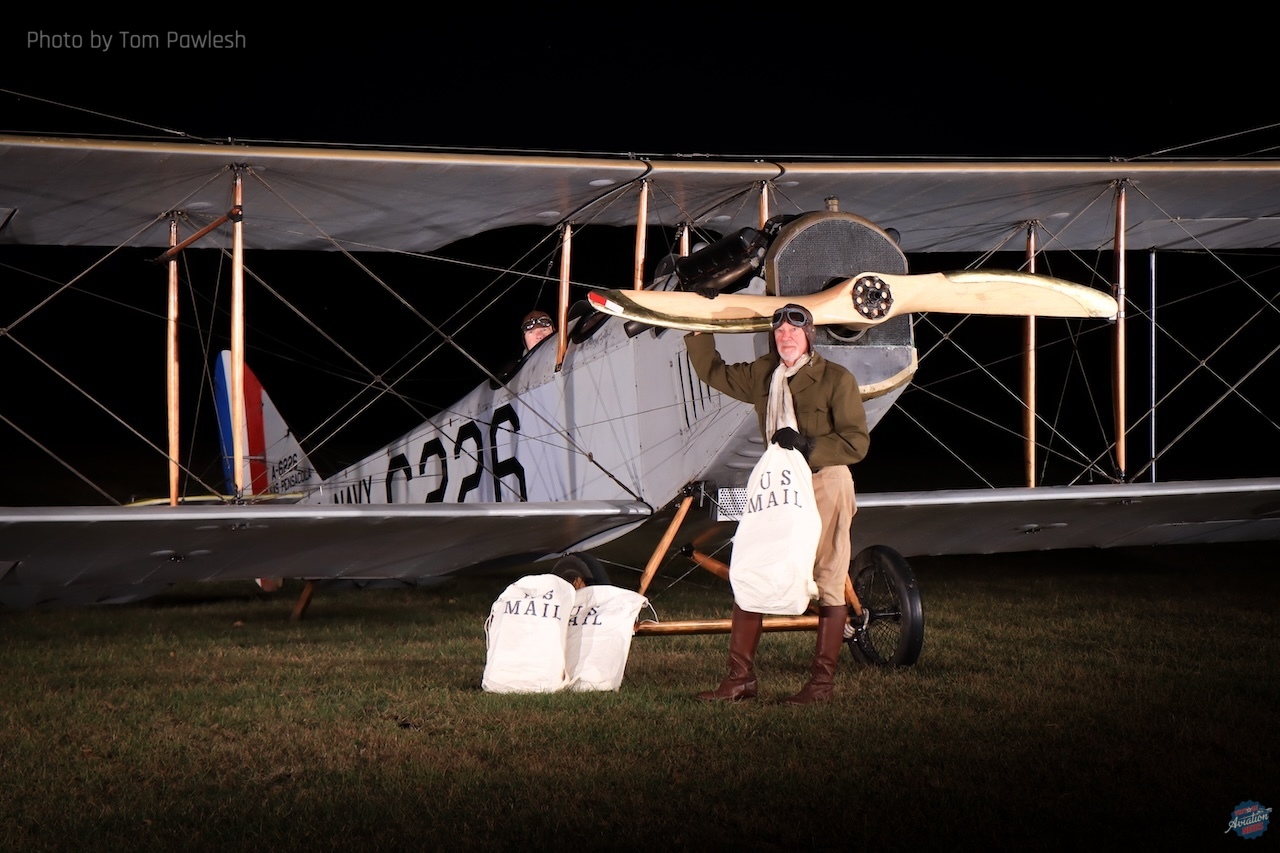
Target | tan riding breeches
(833,494)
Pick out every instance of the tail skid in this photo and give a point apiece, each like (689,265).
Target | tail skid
(274,462)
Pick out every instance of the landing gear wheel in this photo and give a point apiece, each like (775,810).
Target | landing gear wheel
(890,631)
(586,565)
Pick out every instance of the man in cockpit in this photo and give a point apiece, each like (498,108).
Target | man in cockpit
(535,326)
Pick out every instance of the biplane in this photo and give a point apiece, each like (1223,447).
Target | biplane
(602,434)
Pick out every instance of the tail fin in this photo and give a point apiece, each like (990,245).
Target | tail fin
(274,462)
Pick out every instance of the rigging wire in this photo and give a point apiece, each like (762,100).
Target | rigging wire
(65,464)
(98,114)
(76,387)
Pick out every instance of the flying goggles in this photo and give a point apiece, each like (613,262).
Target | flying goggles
(793,314)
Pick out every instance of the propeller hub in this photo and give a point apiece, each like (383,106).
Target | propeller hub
(871,297)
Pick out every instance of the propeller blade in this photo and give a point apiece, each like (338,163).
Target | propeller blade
(866,300)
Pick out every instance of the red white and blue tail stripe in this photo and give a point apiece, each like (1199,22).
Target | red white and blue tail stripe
(274,462)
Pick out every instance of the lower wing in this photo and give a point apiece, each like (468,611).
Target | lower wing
(1118,515)
(101,554)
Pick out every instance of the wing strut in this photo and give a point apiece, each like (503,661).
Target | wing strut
(237,336)
(1118,383)
(562,321)
(1029,372)
(172,363)
(642,224)
(170,256)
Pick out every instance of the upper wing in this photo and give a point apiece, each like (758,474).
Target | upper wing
(89,554)
(105,193)
(992,521)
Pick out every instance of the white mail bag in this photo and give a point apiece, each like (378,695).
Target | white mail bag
(526,635)
(601,626)
(771,570)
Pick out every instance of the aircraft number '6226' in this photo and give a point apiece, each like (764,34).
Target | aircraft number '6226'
(468,452)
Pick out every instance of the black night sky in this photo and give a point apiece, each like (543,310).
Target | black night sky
(720,85)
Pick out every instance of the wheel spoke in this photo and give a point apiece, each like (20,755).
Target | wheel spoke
(893,629)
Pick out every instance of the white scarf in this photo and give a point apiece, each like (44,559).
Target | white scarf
(781,410)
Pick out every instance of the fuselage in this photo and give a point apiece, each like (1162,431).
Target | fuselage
(625,417)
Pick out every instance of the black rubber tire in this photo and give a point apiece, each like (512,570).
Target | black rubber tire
(891,631)
(586,565)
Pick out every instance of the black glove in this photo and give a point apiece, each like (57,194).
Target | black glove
(707,292)
(791,440)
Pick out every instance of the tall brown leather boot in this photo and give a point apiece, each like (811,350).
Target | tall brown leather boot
(821,686)
(744,636)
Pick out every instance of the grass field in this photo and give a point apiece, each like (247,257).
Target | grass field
(1062,701)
